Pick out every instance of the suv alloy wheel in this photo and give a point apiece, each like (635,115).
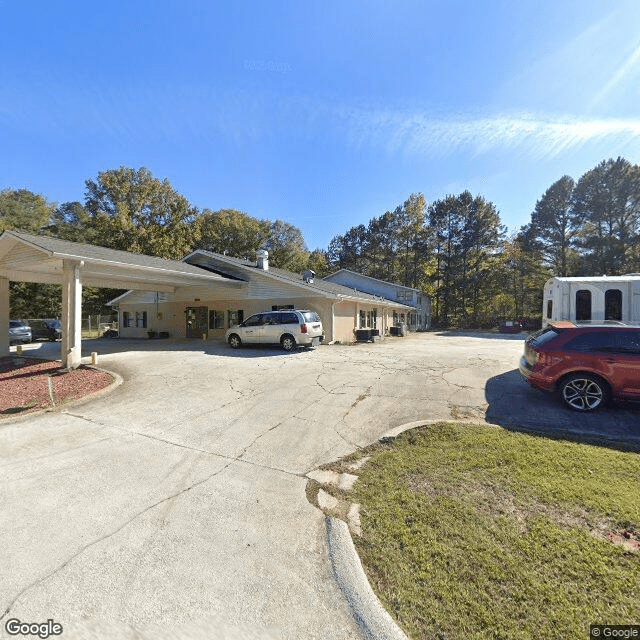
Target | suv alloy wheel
(584,392)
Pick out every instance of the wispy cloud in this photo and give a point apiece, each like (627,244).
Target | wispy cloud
(532,134)
(186,114)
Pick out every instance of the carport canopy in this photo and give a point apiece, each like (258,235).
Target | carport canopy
(28,258)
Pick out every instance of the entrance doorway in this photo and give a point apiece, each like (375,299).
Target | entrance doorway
(197,321)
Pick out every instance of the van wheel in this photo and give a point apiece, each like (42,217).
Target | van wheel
(288,343)
(584,392)
(234,341)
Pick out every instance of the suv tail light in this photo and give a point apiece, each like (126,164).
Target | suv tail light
(303,328)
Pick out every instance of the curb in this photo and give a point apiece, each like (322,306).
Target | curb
(61,408)
(372,618)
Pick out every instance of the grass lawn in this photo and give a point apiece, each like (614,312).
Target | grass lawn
(475,532)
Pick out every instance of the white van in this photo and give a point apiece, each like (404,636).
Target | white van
(290,329)
(598,299)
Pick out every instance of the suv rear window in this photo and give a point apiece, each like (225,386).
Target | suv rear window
(543,336)
(311,316)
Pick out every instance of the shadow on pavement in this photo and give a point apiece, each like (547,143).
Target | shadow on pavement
(107,346)
(487,335)
(516,406)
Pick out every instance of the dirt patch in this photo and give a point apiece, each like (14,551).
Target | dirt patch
(28,384)
(493,499)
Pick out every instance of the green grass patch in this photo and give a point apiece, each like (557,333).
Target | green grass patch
(471,531)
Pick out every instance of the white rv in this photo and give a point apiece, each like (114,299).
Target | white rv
(597,299)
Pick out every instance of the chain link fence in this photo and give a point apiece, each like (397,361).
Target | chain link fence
(95,326)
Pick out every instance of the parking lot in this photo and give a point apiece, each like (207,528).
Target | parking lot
(176,505)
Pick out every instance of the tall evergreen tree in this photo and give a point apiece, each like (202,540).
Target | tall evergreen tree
(554,225)
(607,200)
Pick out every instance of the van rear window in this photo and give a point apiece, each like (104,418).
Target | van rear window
(311,316)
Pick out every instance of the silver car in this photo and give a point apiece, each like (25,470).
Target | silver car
(290,329)
(19,331)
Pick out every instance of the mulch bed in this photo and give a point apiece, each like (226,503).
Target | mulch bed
(28,384)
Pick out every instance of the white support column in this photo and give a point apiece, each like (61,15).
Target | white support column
(71,314)
(4,317)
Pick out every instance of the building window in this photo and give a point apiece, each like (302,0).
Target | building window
(404,296)
(363,319)
(549,308)
(583,305)
(141,319)
(216,319)
(613,304)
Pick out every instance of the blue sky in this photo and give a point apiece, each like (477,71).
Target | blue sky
(323,114)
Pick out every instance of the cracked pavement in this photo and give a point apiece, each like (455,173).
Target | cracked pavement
(175,506)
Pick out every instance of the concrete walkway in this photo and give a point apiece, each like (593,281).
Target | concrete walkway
(175,507)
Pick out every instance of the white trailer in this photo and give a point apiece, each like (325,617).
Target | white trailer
(592,299)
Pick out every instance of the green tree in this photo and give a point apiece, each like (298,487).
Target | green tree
(554,226)
(607,200)
(380,248)
(348,251)
(133,211)
(71,221)
(286,246)
(232,232)
(22,210)
(318,262)
(412,240)
(467,237)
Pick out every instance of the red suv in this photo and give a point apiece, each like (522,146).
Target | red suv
(588,364)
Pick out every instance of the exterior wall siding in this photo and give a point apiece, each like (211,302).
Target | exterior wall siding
(421,318)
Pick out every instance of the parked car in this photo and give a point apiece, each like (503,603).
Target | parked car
(290,329)
(586,363)
(19,331)
(48,329)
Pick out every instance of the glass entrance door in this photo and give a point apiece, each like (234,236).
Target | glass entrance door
(197,321)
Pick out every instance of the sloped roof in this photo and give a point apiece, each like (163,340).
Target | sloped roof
(29,258)
(369,278)
(319,286)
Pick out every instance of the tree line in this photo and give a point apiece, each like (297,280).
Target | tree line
(131,210)
(455,248)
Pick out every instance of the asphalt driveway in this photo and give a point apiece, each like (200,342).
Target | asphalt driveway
(175,506)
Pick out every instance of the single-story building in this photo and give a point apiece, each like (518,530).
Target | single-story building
(207,310)
(418,319)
